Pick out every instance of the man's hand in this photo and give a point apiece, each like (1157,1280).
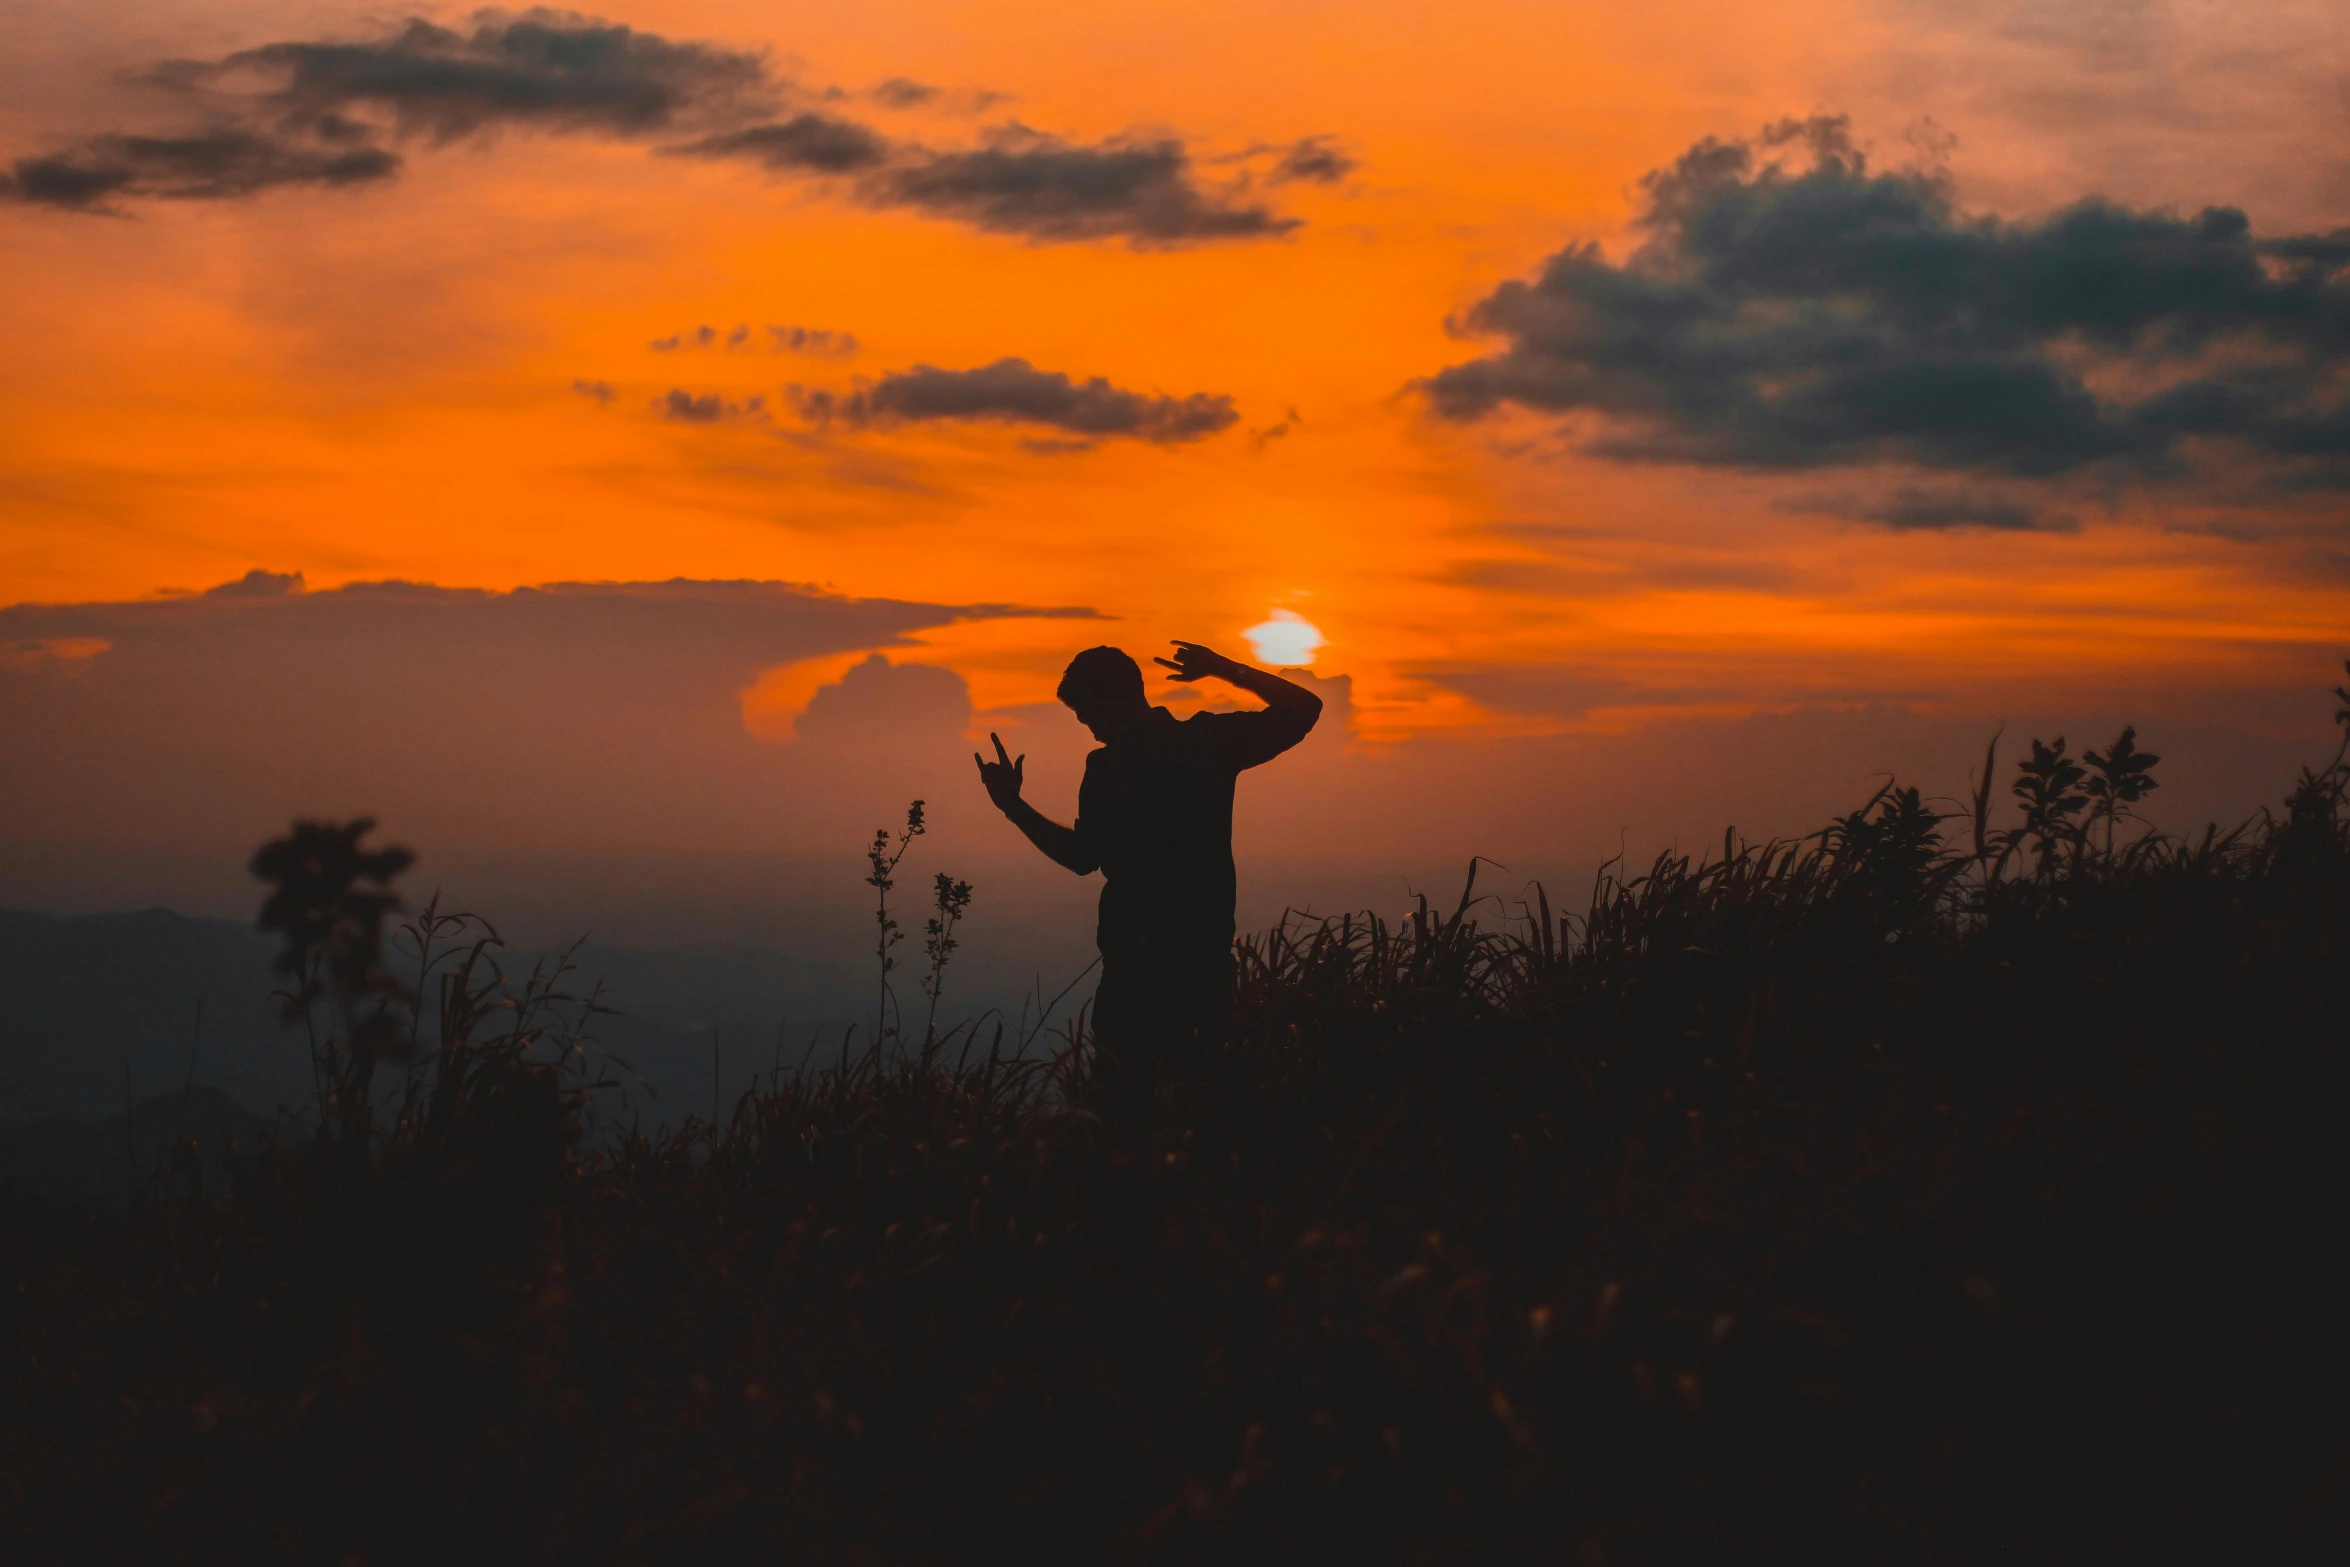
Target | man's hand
(1195,662)
(1002,776)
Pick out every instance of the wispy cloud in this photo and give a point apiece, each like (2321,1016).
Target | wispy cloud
(1908,508)
(1316,159)
(816,342)
(338,112)
(684,407)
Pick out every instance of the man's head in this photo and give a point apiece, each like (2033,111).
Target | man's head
(1103,687)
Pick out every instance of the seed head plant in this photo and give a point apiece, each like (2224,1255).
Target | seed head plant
(883,857)
(950,900)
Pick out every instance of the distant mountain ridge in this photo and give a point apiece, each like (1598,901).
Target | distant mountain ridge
(100,1011)
(87,999)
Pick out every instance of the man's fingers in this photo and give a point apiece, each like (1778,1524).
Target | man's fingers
(1170,663)
(1023,762)
(1001,754)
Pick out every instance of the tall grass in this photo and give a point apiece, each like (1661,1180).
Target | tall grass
(1923,1189)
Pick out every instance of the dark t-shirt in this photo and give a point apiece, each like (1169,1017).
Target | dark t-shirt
(1156,811)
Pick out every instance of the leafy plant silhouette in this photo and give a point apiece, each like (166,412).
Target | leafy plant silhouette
(2117,780)
(2319,792)
(2048,782)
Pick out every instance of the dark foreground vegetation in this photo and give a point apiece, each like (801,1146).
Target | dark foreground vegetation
(1937,1189)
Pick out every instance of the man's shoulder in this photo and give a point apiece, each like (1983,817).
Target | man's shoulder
(1209,727)
(1226,721)
(1243,739)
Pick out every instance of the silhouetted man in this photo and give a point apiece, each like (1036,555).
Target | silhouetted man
(1154,815)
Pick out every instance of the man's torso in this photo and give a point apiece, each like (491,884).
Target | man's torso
(1157,811)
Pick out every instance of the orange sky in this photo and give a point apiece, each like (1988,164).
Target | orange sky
(379,382)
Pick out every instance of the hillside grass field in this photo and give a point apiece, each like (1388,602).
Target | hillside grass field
(1945,1187)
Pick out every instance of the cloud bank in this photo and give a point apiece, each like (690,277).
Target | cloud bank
(337,114)
(568,712)
(1789,309)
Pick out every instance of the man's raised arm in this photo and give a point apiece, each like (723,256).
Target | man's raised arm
(1285,697)
(1002,778)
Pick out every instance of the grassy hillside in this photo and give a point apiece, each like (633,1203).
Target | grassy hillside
(1933,1189)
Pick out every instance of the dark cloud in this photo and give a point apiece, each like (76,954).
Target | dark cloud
(704,336)
(817,342)
(705,408)
(543,68)
(2328,251)
(1912,508)
(901,92)
(204,165)
(328,113)
(319,113)
(1013,390)
(1028,183)
(1791,309)
(1317,159)
(601,391)
(1017,181)
(1290,419)
(903,95)
(804,144)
